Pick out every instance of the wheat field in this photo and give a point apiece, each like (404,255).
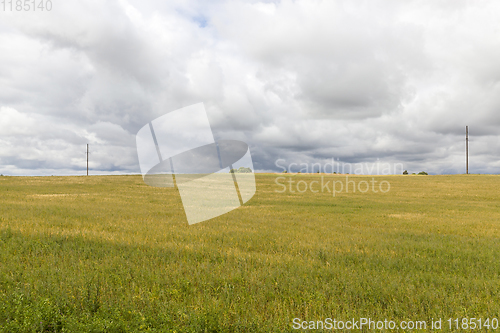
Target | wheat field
(111,254)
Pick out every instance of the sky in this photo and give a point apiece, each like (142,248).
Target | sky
(392,82)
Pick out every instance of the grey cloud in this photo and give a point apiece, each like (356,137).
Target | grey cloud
(346,64)
(304,81)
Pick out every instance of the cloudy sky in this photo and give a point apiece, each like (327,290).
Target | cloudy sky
(305,81)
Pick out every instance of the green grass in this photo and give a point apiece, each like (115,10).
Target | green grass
(111,254)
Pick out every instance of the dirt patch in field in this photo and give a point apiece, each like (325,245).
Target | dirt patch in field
(56,195)
(406,216)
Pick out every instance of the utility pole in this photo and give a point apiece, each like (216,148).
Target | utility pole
(87,159)
(467,149)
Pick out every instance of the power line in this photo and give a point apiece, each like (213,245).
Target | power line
(87,159)
(467,149)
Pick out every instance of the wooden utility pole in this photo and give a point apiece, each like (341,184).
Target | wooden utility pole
(87,159)
(467,149)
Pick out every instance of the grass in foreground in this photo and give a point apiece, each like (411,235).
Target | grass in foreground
(111,254)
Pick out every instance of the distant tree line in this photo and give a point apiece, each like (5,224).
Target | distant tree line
(241,170)
(420,173)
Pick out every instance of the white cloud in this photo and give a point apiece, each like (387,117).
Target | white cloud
(303,80)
